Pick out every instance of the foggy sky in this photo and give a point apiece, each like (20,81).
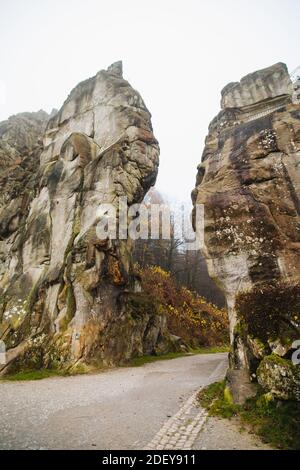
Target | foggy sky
(177,54)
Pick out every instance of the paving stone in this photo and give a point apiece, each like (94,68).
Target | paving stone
(181,431)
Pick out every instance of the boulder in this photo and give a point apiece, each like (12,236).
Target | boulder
(280,377)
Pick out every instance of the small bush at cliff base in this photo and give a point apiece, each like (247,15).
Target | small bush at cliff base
(271,311)
(190,316)
(276,422)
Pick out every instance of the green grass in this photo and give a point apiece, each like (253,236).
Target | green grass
(209,394)
(83,369)
(39,374)
(210,350)
(276,422)
(213,399)
(140,361)
(32,375)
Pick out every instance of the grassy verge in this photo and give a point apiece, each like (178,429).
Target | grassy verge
(32,375)
(210,350)
(83,369)
(140,361)
(276,422)
(39,374)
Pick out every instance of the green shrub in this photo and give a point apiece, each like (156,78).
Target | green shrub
(271,311)
(276,422)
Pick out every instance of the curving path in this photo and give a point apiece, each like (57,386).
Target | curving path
(127,408)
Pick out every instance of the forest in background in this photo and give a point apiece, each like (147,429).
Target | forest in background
(186,267)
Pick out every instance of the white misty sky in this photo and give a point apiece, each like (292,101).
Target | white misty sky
(178,54)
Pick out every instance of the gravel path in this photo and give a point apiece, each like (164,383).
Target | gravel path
(124,408)
(224,434)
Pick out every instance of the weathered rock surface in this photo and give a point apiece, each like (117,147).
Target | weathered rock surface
(249,182)
(66,295)
(280,376)
(20,148)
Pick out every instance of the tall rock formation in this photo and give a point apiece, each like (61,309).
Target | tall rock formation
(249,182)
(66,295)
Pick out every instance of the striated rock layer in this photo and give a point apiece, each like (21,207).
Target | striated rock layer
(66,295)
(249,182)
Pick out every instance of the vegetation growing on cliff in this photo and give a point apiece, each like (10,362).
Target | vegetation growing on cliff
(190,316)
(271,311)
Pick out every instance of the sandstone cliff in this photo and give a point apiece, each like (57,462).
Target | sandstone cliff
(66,295)
(249,182)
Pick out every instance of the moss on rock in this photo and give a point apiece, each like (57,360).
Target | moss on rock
(279,376)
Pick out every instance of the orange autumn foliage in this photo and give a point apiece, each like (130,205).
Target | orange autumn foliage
(190,316)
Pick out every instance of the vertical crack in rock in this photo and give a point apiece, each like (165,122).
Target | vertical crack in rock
(249,182)
(65,294)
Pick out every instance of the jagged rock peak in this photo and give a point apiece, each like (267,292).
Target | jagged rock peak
(116,69)
(20,134)
(256,95)
(267,83)
(97,98)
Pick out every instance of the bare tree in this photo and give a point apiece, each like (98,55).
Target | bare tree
(187,267)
